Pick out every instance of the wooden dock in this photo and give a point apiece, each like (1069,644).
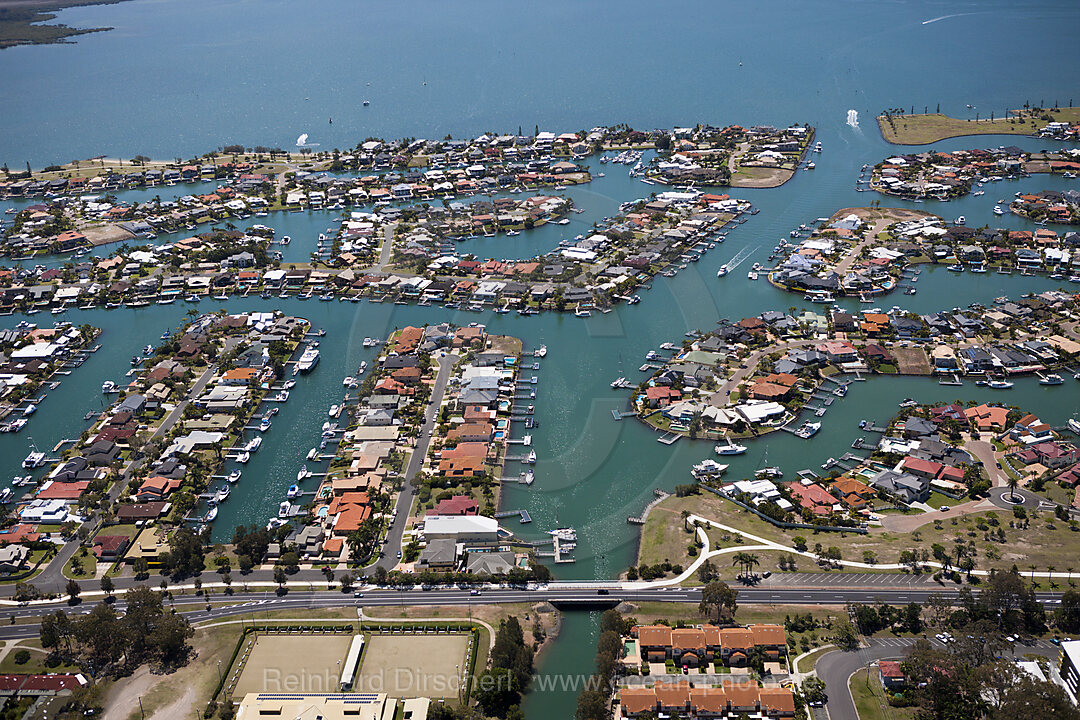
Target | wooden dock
(661,495)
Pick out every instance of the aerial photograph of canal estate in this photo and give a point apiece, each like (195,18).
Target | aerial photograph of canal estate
(479,360)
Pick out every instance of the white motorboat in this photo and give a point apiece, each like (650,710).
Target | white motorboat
(309,359)
(1051,379)
(293,492)
(35,459)
(234,476)
(303,473)
(253,445)
(730,448)
(284,509)
(808,430)
(243,457)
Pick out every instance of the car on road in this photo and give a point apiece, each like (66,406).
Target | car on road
(603,591)
(358,594)
(474,591)
(944,508)
(398,554)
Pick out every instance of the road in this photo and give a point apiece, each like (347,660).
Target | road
(835,668)
(52,577)
(416,460)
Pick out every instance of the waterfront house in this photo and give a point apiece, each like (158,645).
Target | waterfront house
(905,486)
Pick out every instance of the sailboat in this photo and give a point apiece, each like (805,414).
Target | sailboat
(766,472)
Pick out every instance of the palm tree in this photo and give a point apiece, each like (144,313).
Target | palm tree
(1069,569)
(1032,566)
(1012,482)
(1050,569)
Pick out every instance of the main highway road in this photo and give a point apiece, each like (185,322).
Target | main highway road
(562,595)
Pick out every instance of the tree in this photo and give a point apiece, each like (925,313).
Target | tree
(1012,483)
(844,635)
(107,585)
(186,555)
(707,572)
(1067,615)
(73,591)
(346,581)
(280,578)
(328,573)
(717,597)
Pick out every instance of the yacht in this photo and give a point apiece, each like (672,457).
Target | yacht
(730,448)
(540,352)
(769,473)
(35,459)
(234,476)
(1074,425)
(303,473)
(243,457)
(108,387)
(808,430)
(254,444)
(294,492)
(350,382)
(722,271)
(956,267)
(284,509)
(708,469)
(308,360)
(264,424)
(999,384)
(621,384)
(223,493)
(1051,379)
(960,220)
(582,313)
(998,210)
(334,411)
(211,514)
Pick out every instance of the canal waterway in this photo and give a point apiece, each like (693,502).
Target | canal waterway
(185,78)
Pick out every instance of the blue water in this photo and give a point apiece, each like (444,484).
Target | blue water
(183,78)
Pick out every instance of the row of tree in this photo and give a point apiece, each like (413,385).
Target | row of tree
(498,690)
(105,641)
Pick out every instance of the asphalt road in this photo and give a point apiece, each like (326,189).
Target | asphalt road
(583,595)
(392,543)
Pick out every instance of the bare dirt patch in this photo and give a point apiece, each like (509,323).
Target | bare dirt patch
(911,361)
(760,177)
(294,663)
(413,665)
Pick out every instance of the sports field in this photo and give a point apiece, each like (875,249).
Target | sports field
(425,665)
(294,663)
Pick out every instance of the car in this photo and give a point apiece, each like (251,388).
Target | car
(944,508)
(1055,641)
(398,554)
(767,573)
(603,591)
(358,594)
(474,591)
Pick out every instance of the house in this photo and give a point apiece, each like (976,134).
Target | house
(813,497)
(462,529)
(13,558)
(908,488)
(134,512)
(856,495)
(439,555)
(987,417)
(157,488)
(110,547)
(892,677)
(456,505)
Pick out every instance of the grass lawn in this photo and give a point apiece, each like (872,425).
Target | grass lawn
(807,663)
(924,129)
(36,664)
(88,563)
(870,701)
(1046,541)
(936,500)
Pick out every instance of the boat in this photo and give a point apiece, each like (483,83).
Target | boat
(284,509)
(30,409)
(253,445)
(955,267)
(767,472)
(1074,425)
(730,448)
(293,492)
(313,453)
(582,313)
(908,403)
(108,387)
(289,385)
(998,210)
(148,350)
(308,360)
(531,458)
(234,476)
(6,495)
(35,459)
(334,411)
(223,493)
(707,469)
(960,220)
(819,296)
(1051,379)
(303,473)
(350,382)
(540,351)
(243,457)
(752,275)
(722,271)
(362,368)
(282,396)
(808,430)
(264,424)
(999,384)
(370,342)
(621,384)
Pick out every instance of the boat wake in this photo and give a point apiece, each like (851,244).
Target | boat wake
(302,141)
(944,17)
(853,119)
(740,257)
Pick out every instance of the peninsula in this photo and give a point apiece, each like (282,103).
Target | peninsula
(25,22)
(900,128)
